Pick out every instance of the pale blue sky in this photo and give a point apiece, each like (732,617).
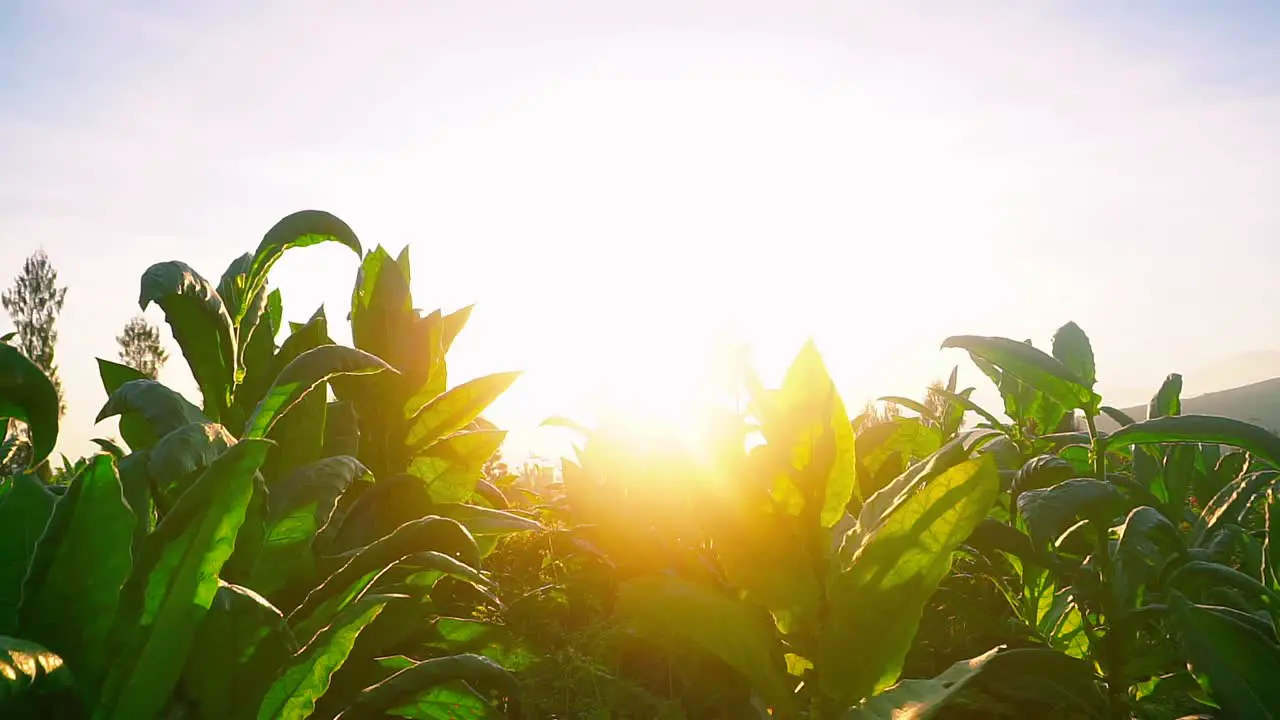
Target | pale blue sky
(618,184)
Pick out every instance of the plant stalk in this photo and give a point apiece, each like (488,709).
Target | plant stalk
(1113,641)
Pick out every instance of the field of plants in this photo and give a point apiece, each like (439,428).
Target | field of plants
(330,534)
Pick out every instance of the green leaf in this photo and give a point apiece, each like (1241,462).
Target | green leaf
(1239,664)
(876,601)
(381,305)
(1030,682)
(348,582)
(964,402)
(239,647)
(34,682)
(450,701)
(175,461)
(807,422)
(110,448)
(883,451)
(1230,504)
(25,509)
(298,507)
(411,687)
(1147,541)
(1209,429)
(201,326)
(451,467)
(388,504)
(1119,417)
(1032,367)
(308,370)
(741,635)
(173,583)
(306,678)
(300,229)
(81,562)
(1271,548)
(1043,471)
(162,409)
(455,409)
(1050,511)
(27,394)
(482,521)
(1167,401)
(1071,347)
(912,405)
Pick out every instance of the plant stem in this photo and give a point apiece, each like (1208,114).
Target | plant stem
(1113,641)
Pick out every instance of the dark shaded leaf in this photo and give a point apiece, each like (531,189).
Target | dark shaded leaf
(1071,347)
(1238,663)
(25,508)
(1050,511)
(27,394)
(408,687)
(73,585)
(201,325)
(162,409)
(1167,401)
(1209,429)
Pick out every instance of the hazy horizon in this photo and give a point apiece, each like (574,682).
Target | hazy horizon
(618,188)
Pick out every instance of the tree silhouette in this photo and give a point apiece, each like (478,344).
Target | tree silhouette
(33,303)
(140,347)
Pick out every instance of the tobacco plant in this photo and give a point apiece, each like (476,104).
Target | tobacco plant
(230,564)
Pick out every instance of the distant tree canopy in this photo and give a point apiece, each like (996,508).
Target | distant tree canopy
(140,347)
(33,304)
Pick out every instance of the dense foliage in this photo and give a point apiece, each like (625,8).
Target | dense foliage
(330,535)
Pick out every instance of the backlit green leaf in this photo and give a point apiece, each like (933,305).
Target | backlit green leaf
(875,602)
(1071,347)
(173,583)
(456,408)
(1032,367)
(25,509)
(451,467)
(306,678)
(300,229)
(304,373)
(740,634)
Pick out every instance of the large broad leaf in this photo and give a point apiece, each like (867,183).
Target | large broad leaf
(1043,471)
(173,583)
(306,677)
(883,451)
(403,693)
(807,423)
(301,229)
(1071,347)
(133,427)
(1147,542)
(1167,401)
(482,521)
(354,578)
(456,408)
(379,510)
(201,326)
(1029,682)
(175,461)
(27,394)
(1209,429)
(381,304)
(35,683)
(1031,366)
(451,467)
(308,370)
(1230,504)
(1050,511)
(162,409)
(876,602)
(299,506)
(1237,663)
(25,509)
(81,562)
(740,634)
(241,644)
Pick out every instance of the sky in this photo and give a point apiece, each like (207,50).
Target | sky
(621,188)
